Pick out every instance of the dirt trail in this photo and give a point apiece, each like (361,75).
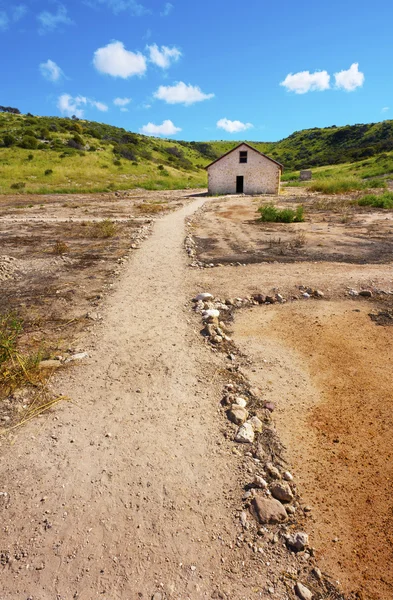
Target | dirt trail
(123,493)
(327,367)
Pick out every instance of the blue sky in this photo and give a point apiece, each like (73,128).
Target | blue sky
(202,70)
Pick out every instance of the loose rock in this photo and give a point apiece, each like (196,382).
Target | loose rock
(245,434)
(237,414)
(256,424)
(268,510)
(240,401)
(281,491)
(298,541)
(203,296)
(302,592)
(273,471)
(259,482)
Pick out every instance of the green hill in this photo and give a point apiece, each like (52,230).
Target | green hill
(54,154)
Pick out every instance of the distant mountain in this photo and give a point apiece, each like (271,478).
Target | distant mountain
(89,156)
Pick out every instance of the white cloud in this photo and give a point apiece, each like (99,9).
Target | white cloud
(233,126)
(117,6)
(121,101)
(4,21)
(163,57)
(69,105)
(115,60)
(15,14)
(166,128)
(18,12)
(98,105)
(123,109)
(180,93)
(351,79)
(168,8)
(304,82)
(51,71)
(385,109)
(50,21)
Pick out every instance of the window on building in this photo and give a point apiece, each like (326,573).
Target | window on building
(243,156)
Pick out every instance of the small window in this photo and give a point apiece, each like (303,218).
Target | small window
(243,156)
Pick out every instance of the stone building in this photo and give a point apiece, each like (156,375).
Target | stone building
(244,170)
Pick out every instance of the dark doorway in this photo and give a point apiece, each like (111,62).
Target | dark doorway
(239,184)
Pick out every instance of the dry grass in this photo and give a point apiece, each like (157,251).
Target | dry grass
(60,248)
(152,208)
(102,229)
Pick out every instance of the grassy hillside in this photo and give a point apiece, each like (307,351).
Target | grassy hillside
(52,154)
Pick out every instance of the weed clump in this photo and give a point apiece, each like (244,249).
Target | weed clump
(102,229)
(15,368)
(385,200)
(271,214)
(60,248)
(19,185)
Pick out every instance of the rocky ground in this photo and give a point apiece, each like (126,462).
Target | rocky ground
(187,464)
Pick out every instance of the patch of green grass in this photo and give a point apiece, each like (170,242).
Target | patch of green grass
(272,214)
(336,185)
(384,200)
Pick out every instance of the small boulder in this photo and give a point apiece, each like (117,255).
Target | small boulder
(240,401)
(281,491)
(268,510)
(237,414)
(365,293)
(203,296)
(273,471)
(318,294)
(259,482)
(211,313)
(302,592)
(256,424)
(245,434)
(259,298)
(298,541)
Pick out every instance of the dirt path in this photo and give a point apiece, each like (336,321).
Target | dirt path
(327,367)
(123,494)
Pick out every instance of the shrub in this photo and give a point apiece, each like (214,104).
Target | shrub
(29,142)
(48,172)
(18,185)
(376,183)
(117,162)
(30,157)
(385,200)
(271,214)
(8,140)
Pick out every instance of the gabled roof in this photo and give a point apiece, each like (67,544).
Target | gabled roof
(251,148)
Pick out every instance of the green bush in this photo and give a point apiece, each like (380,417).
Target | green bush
(375,183)
(17,186)
(48,172)
(271,214)
(29,142)
(8,140)
(385,200)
